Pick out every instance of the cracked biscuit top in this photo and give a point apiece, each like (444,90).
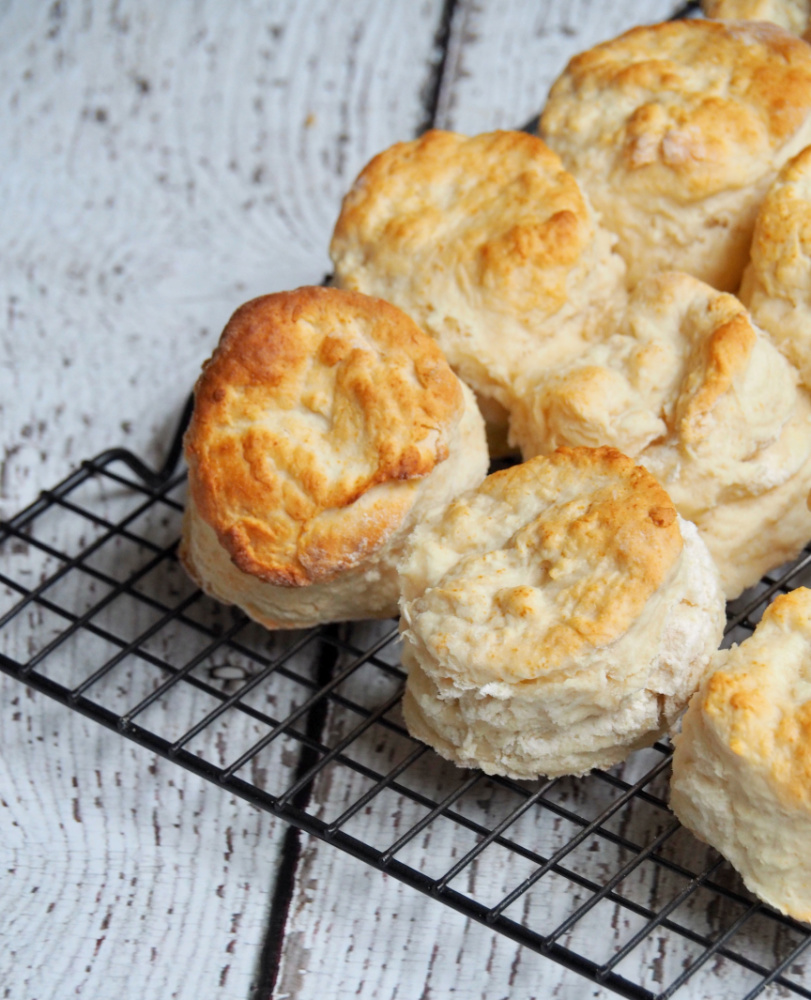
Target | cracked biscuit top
(488,243)
(690,387)
(758,701)
(675,131)
(687,106)
(742,762)
(544,563)
(315,418)
(499,206)
(776,285)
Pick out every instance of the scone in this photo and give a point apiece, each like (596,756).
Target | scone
(696,393)
(742,763)
(555,618)
(325,425)
(793,15)
(489,245)
(776,285)
(675,132)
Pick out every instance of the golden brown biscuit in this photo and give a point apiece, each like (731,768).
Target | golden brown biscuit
(676,130)
(556,617)
(742,763)
(697,394)
(793,15)
(489,245)
(324,424)
(777,282)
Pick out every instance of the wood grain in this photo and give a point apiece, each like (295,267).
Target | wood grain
(114,860)
(164,162)
(113,874)
(503,58)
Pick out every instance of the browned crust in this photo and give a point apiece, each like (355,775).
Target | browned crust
(725,355)
(629,528)
(769,728)
(314,405)
(697,97)
(783,228)
(498,208)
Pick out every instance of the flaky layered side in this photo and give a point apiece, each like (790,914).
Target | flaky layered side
(324,424)
(776,285)
(675,132)
(742,762)
(489,245)
(556,617)
(696,393)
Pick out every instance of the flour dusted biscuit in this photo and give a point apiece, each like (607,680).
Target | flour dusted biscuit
(675,132)
(777,282)
(696,393)
(489,245)
(556,617)
(325,424)
(793,15)
(742,763)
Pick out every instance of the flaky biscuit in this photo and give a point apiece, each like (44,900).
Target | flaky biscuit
(676,130)
(556,617)
(742,762)
(696,393)
(776,285)
(489,245)
(793,15)
(324,425)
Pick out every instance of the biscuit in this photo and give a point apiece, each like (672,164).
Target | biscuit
(696,393)
(776,285)
(793,15)
(742,762)
(675,132)
(556,617)
(324,425)
(489,245)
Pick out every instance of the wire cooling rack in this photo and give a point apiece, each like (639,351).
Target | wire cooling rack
(594,873)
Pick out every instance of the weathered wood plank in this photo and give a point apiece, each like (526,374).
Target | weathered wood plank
(114,875)
(392,936)
(114,860)
(164,162)
(503,57)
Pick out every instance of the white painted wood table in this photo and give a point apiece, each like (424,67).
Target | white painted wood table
(161,163)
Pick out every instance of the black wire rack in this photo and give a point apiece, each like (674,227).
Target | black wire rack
(594,873)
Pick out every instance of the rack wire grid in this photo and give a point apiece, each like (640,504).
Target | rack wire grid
(594,873)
